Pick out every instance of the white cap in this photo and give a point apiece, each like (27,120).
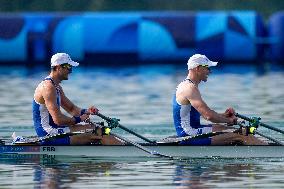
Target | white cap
(199,60)
(62,58)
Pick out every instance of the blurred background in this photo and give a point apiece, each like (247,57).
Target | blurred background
(265,8)
(132,32)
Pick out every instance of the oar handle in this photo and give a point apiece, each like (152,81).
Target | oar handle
(103,116)
(243,117)
(126,129)
(260,123)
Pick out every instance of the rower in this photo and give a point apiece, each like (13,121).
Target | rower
(188,105)
(48,119)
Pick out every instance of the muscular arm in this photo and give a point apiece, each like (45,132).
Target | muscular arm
(194,97)
(49,96)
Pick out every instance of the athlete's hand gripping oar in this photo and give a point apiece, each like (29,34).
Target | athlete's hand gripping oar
(155,153)
(108,119)
(260,123)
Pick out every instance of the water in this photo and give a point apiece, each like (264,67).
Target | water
(68,172)
(141,97)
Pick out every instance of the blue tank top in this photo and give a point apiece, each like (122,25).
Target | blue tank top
(43,122)
(186,118)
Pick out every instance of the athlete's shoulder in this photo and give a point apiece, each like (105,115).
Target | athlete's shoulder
(47,84)
(190,91)
(47,88)
(187,87)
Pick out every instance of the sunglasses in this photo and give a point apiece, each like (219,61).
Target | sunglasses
(206,66)
(67,66)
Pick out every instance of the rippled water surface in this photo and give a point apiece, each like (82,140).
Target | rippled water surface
(141,97)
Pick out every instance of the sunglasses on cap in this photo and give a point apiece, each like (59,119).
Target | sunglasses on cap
(67,66)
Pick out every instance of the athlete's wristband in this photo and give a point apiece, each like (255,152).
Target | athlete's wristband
(77,119)
(83,111)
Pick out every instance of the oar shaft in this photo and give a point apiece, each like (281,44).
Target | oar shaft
(261,124)
(126,129)
(243,117)
(272,128)
(269,138)
(142,147)
(137,145)
(136,134)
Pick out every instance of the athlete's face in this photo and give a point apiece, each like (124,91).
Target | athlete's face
(66,69)
(204,73)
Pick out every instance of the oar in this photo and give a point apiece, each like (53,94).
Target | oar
(126,129)
(171,140)
(155,153)
(270,138)
(260,123)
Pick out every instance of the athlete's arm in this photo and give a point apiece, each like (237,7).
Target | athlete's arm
(49,96)
(194,96)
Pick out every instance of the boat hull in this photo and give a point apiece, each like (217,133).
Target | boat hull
(132,151)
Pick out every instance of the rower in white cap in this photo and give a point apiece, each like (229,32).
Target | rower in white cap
(188,106)
(47,116)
